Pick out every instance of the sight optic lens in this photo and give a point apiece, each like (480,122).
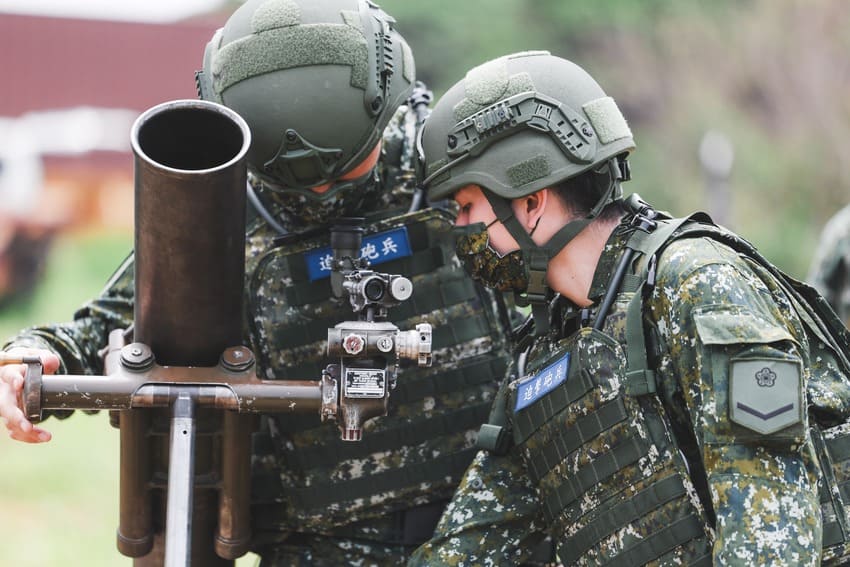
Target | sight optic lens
(374,289)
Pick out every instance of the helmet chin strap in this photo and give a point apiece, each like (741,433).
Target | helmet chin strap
(537,257)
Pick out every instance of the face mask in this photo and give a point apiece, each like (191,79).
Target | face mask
(303,208)
(485,265)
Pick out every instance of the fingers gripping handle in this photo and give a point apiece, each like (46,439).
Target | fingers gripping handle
(30,400)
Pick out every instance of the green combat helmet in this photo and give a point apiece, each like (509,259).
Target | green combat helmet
(518,124)
(317,81)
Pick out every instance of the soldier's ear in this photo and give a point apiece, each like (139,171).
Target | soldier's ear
(533,207)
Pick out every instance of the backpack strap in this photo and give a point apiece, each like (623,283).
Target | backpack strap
(640,378)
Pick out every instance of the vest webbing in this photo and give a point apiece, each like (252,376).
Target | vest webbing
(416,432)
(619,457)
(833,452)
(571,439)
(472,373)
(533,417)
(322,495)
(663,541)
(612,518)
(562,502)
(463,371)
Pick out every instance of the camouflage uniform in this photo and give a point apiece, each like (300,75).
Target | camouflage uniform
(830,269)
(302,471)
(755,498)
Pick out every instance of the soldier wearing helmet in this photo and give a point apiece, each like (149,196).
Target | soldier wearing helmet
(328,90)
(669,401)
(318,83)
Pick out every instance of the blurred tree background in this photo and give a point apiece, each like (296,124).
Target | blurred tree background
(767,79)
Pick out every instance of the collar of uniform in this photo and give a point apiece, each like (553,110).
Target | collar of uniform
(608,259)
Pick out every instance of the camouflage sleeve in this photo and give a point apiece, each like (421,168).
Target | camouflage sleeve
(491,520)
(77,342)
(730,341)
(829,272)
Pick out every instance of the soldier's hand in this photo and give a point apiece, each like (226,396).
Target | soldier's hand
(11,386)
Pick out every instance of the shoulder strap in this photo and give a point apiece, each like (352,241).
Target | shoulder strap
(640,378)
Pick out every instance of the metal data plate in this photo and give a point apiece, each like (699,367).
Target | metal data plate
(364,383)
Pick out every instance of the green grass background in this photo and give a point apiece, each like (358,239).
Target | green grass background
(59,500)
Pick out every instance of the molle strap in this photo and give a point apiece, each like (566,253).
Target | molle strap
(623,513)
(494,438)
(438,469)
(428,298)
(622,455)
(458,332)
(532,418)
(664,541)
(585,428)
(414,433)
(839,448)
(832,534)
(640,378)
(421,385)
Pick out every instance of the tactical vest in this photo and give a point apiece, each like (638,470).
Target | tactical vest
(597,440)
(613,485)
(416,454)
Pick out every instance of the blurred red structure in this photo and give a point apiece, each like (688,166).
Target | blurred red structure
(71,88)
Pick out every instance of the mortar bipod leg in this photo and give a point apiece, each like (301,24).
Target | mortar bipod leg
(181,476)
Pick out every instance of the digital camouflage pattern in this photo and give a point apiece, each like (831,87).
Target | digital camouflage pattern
(318,501)
(830,269)
(759,493)
(465,336)
(485,265)
(765,497)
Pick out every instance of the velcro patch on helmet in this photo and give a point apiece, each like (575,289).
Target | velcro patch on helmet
(529,170)
(409,70)
(293,46)
(276,14)
(488,83)
(607,120)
